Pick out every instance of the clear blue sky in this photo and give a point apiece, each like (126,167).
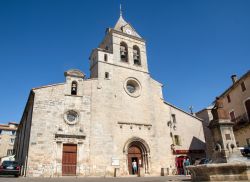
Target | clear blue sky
(193,46)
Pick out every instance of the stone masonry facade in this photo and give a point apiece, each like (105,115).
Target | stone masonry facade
(118,110)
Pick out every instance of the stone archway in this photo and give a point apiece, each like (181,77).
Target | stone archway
(137,149)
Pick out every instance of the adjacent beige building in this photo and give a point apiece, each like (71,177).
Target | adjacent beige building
(7,138)
(97,126)
(236,101)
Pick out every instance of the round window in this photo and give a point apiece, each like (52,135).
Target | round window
(71,117)
(132,87)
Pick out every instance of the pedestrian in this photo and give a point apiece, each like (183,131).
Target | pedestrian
(184,167)
(134,165)
(187,163)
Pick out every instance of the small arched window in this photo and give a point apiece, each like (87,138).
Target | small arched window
(124,52)
(74,88)
(136,55)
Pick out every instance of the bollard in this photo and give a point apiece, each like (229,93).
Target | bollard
(116,172)
(141,172)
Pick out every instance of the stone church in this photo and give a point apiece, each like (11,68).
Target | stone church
(98,126)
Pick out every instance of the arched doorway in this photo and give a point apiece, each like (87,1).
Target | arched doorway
(134,155)
(137,150)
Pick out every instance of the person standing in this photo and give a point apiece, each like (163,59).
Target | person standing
(186,163)
(134,165)
(184,167)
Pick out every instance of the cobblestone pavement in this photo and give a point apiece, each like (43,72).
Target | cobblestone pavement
(94,179)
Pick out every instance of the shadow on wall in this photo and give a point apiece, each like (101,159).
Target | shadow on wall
(197,144)
(197,149)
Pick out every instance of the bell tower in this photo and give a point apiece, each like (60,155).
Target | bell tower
(122,47)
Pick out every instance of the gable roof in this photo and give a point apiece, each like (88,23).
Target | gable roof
(121,25)
(235,84)
(171,105)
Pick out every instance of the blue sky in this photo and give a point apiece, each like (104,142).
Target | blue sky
(193,46)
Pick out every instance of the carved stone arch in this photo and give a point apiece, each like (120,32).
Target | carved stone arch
(142,144)
(141,153)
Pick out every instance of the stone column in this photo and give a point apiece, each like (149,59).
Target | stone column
(223,136)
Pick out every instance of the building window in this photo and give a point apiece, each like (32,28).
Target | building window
(243,86)
(177,140)
(107,75)
(232,116)
(173,118)
(71,117)
(228,99)
(124,52)
(13,132)
(136,55)
(105,57)
(247,105)
(74,88)
(9,152)
(0,132)
(132,87)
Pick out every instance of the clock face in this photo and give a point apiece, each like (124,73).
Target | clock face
(128,31)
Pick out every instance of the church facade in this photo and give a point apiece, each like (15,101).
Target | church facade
(98,126)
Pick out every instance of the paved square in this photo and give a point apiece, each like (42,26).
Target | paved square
(94,179)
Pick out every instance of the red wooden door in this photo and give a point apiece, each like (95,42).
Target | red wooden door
(69,159)
(134,154)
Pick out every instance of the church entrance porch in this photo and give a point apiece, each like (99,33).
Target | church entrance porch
(137,151)
(69,159)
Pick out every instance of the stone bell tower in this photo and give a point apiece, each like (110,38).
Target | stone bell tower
(121,47)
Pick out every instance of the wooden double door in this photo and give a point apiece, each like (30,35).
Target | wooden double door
(134,154)
(69,160)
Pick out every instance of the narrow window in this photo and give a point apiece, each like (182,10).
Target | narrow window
(174,118)
(243,86)
(232,116)
(124,52)
(74,88)
(106,75)
(105,57)
(136,55)
(228,99)
(177,140)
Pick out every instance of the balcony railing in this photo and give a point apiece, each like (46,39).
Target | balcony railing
(240,122)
